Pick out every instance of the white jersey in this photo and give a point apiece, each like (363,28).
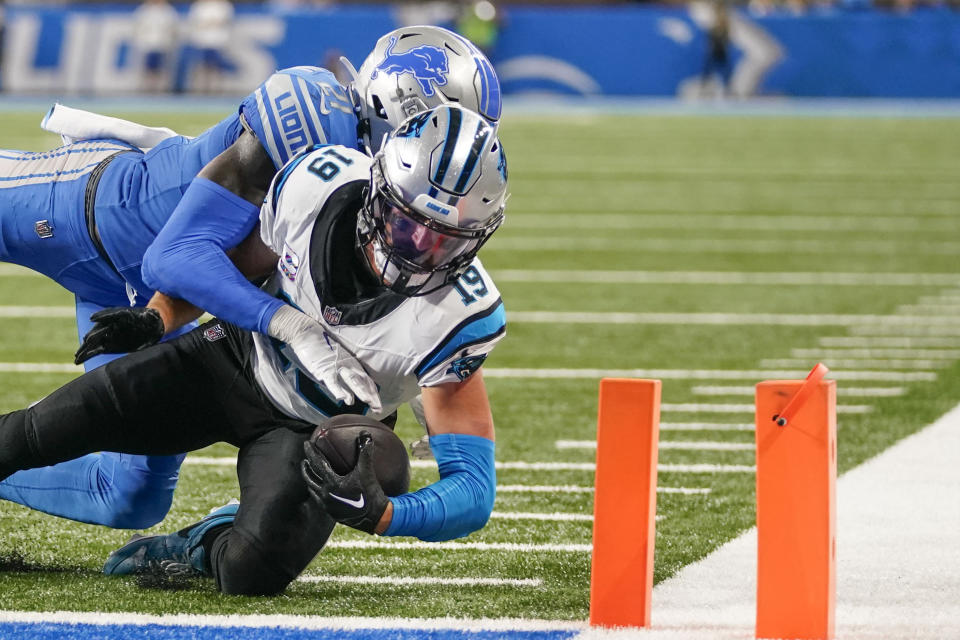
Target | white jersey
(404,343)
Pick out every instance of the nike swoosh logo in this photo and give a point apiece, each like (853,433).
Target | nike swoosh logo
(356,504)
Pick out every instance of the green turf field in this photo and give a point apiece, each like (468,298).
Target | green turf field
(730,247)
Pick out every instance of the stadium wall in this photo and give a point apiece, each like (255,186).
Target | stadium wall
(615,50)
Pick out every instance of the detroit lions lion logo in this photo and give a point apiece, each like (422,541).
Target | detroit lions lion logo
(425,63)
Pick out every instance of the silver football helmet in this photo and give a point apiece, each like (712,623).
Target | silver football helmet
(437,192)
(412,69)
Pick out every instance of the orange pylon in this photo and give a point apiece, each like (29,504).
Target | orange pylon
(625,503)
(796,434)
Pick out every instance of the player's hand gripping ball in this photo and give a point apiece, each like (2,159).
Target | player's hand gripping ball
(352,464)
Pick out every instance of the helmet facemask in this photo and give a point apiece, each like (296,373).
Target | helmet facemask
(412,253)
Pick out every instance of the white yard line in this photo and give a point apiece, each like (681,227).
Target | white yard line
(858,363)
(931,309)
(736,319)
(690,407)
(666,444)
(898,539)
(458,546)
(403,581)
(707,426)
(546,517)
(905,342)
(797,373)
(729,222)
(675,245)
(37,312)
(849,392)
(39,367)
(16,271)
(568,488)
(825,278)
(877,353)
(881,329)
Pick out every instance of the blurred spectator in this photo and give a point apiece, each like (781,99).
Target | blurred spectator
(479,22)
(717,61)
(210,26)
(155,29)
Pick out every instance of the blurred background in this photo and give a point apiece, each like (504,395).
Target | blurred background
(701,50)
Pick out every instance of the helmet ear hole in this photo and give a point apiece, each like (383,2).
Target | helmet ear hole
(379,108)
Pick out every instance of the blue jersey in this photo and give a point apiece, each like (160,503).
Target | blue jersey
(293,109)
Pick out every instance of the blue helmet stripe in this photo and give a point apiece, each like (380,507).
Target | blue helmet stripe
(491,101)
(478,143)
(453,132)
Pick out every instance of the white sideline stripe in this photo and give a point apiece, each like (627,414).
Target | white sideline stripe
(39,367)
(290,621)
(745,408)
(37,312)
(905,342)
(718,245)
(571,488)
(706,426)
(727,222)
(933,354)
(547,517)
(520,466)
(727,277)
(738,319)
(459,546)
(406,580)
(708,374)
(859,363)
(850,392)
(666,444)
(898,539)
(941,299)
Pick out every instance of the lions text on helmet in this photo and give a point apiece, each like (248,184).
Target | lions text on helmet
(437,193)
(413,69)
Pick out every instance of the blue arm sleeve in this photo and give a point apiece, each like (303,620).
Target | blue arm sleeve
(187,259)
(460,502)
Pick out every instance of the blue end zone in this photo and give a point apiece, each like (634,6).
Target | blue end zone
(63,631)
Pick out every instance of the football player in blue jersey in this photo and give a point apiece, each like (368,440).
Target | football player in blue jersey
(139,236)
(382,253)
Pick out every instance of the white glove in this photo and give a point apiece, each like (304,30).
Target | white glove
(323,359)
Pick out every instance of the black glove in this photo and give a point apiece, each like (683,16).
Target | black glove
(120,330)
(356,499)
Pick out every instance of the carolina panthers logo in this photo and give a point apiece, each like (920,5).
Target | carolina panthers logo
(466,366)
(425,63)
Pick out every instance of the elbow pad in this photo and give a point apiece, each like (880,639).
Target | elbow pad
(187,259)
(460,502)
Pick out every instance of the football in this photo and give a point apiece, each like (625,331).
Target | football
(336,439)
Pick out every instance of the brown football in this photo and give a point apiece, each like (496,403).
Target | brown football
(336,439)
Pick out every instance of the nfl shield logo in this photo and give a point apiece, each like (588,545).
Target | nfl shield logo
(332,315)
(43,228)
(214,333)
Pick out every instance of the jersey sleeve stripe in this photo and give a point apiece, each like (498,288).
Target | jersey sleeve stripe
(323,136)
(308,117)
(478,328)
(266,116)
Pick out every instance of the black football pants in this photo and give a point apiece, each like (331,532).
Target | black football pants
(180,396)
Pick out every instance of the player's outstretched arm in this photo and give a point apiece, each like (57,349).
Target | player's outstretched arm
(462,439)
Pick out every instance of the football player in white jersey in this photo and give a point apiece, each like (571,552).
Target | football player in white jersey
(381,253)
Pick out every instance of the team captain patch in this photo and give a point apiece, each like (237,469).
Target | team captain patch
(289,263)
(214,333)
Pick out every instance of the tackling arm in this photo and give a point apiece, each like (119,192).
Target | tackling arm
(220,208)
